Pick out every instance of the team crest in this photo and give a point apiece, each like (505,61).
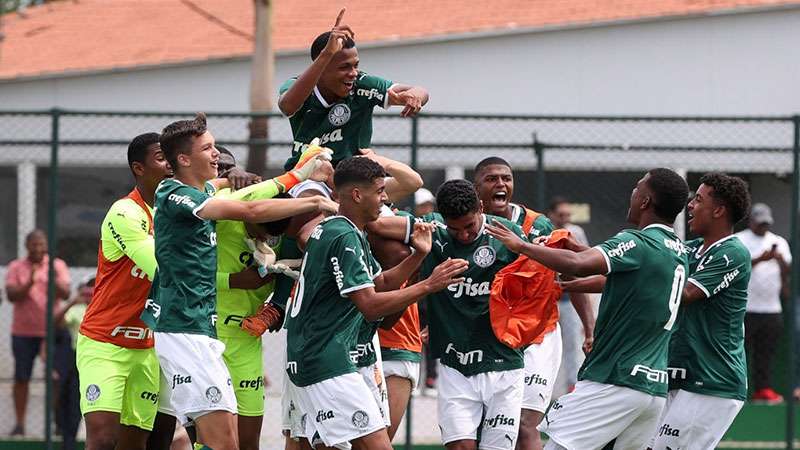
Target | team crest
(213,394)
(92,392)
(339,115)
(484,256)
(360,419)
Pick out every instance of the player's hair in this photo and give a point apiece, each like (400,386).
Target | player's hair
(35,233)
(352,171)
(277,227)
(670,193)
(557,201)
(176,138)
(137,149)
(322,40)
(731,191)
(457,198)
(490,161)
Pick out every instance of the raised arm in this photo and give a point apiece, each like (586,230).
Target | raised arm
(412,97)
(403,179)
(395,277)
(268,210)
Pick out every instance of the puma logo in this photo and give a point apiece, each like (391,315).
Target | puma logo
(441,245)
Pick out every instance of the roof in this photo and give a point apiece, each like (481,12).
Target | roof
(76,36)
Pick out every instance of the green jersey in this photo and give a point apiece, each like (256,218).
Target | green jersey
(345,126)
(460,330)
(322,323)
(542,226)
(186,252)
(707,349)
(647,270)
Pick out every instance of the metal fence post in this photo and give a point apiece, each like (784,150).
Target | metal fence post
(52,239)
(795,284)
(414,163)
(541,184)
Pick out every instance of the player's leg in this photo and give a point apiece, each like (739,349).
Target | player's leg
(163,433)
(460,407)
(502,394)
(542,362)
(640,430)
(399,393)
(243,357)
(217,430)
(24,349)
(695,420)
(378,440)
(140,406)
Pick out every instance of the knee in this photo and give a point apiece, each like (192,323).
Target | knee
(101,441)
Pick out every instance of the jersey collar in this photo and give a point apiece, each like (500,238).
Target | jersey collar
(321,98)
(516,212)
(698,254)
(660,225)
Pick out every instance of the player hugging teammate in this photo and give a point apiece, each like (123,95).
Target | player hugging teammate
(194,268)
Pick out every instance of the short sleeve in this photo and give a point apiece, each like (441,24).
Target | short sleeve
(380,95)
(622,252)
(286,85)
(185,202)
(542,226)
(785,251)
(718,271)
(62,271)
(350,263)
(14,274)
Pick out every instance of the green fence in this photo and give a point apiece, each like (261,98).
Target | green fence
(61,169)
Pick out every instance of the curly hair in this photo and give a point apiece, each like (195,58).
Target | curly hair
(176,138)
(732,192)
(670,192)
(457,198)
(137,149)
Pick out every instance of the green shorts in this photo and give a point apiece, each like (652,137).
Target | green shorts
(244,359)
(118,379)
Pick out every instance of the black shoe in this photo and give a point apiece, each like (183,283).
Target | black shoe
(17,431)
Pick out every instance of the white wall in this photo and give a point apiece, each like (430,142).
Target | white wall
(732,64)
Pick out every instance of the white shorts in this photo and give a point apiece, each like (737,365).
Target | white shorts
(594,414)
(374,377)
(694,421)
(194,378)
(464,401)
(292,417)
(339,409)
(542,362)
(403,369)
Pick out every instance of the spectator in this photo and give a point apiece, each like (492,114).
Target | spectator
(763,321)
(68,318)
(26,287)
(572,333)
(424,202)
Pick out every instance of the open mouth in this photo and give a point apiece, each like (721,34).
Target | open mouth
(500,198)
(349,85)
(689,216)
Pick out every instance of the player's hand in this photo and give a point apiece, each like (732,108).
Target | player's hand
(326,206)
(323,172)
(424,335)
(412,102)
(570,243)
(588,343)
(339,34)
(446,273)
(510,239)
(239,178)
(421,238)
(311,159)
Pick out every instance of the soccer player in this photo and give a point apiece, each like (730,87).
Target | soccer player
(480,379)
(332,100)
(118,369)
(623,381)
(340,286)
(196,384)
(494,181)
(708,384)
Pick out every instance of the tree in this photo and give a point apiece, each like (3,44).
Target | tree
(262,70)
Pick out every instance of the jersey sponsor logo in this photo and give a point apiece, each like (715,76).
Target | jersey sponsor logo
(213,394)
(152,397)
(213,320)
(465,358)
(331,136)
(180,379)
(654,375)
(535,379)
(92,392)
(470,289)
(317,233)
(322,416)
(360,419)
(484,256)
(371,93)
(676,245)
(363,350)
(233,318)
(182,200)
(117,237)
(255,384)
(137,272)
(137,333)
(212,238)
(154,307)
(726,281)
(291,367)
(676,373)
(499,421)
(337,272)
(339,114)
(667,430)
(621,248)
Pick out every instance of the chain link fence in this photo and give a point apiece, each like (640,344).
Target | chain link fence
(61,170)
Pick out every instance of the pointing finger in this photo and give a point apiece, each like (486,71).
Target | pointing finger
(339,17)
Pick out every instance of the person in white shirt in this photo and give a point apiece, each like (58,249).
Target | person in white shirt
(771,259)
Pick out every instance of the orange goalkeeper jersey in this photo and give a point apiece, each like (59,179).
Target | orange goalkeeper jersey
(404,335)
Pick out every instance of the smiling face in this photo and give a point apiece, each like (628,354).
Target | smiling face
(703,210)
(203,158)
(340,74)
(495,186)
(370,198)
